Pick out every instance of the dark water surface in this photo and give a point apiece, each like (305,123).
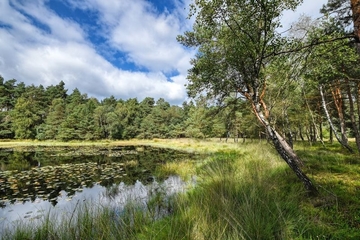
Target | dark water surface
(34,181)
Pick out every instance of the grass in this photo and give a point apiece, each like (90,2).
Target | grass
(337,174)
(190,145)
(243,191)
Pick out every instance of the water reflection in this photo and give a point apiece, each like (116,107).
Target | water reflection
(67,205)
(30,175)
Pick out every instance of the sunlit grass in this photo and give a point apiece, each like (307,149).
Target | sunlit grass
(243,191)
(191,145)
(337,174)
(184,169)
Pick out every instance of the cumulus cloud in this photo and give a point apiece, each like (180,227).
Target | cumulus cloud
(37,46)
(147,36)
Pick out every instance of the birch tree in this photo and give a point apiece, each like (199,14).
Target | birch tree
(236,41)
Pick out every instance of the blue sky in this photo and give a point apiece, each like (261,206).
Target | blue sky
(125,48)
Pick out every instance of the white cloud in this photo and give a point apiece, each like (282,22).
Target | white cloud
(308,7)
(37,56)
(148,37)
(62,51)
(61,29)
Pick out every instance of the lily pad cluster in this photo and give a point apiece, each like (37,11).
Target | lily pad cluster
(47,182)
(44,173)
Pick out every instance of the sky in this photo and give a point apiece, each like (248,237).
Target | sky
(124,48)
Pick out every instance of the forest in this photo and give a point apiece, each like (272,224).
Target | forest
(247,80)
(36,112)
(281,106)
(304,86)
(318,100)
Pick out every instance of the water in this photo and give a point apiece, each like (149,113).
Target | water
(34,184)
(35,212)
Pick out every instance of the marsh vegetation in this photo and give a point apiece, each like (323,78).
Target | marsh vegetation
(242,191)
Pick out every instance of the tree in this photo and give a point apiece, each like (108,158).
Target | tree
(6,104)
(29,112)
(236,40)
(334,67)
(159,120)
(78,116)
(199,123)
(57,91)
(56,116)
(128,120)
(348,16)
(355,9)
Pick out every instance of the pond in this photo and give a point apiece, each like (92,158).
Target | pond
(34,181)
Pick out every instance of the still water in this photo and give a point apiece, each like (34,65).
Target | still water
(37,182)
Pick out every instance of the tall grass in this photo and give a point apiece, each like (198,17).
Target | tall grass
(89,222)
(237,197)
(243,191)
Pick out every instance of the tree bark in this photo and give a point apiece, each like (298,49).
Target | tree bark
(331,136)
(313,121)
(289,134)
(283,148)
(321,132)
(345,144)
(287,154)
(338,100)
(355,8)
(300,133)
(358,101)
(352,115)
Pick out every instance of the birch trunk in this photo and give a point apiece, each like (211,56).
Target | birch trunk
(285,151)
(345,144)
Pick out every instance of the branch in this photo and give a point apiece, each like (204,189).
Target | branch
(312,44)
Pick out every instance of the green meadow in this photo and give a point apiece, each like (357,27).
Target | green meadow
(242,191)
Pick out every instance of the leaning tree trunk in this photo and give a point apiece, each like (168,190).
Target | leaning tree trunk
(343,143)
(283,148)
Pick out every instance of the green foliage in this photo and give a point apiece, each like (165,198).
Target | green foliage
(56,115)
(334,60)
(9,92)
(28,112)
(342,10)
(236,39)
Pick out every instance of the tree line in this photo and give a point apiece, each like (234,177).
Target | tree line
(36,112)
(50,113)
